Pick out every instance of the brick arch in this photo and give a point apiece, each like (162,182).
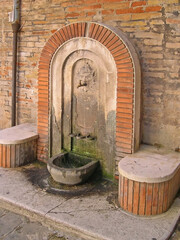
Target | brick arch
(128,83)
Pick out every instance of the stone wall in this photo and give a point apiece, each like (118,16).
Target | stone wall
(153,27)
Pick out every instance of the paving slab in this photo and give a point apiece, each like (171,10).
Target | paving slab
(17,227)
(90,216)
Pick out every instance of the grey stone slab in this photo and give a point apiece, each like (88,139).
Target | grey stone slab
(92,217)
(18,134)
(8,223)
(2,212)
(150,165)
(30,231)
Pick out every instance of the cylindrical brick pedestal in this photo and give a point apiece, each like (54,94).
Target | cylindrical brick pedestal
(18,145)
(141,194)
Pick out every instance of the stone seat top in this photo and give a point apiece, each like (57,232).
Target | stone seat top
(18,134)
(150,165)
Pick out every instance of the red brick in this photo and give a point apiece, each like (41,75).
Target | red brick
(142,200)
(125,84)
(153,9)
(107,12)
(83,29)
(125,70)
(136,198)
(91,13)
(122,61)
(123,145)
(124,95)
(130,196)
(111,45)
(124,105)
(155,199)
(74,14)
(98,32)
(123,140)
(8,160)
(139,3)
(125,110)
(121,184)
(1,155)
(125,194)
(124,150)
(67,37)
(109,39)
(160,198)
(90,7)
(106,35)
(125,100)
(91,28)
(124,66)
(76,29)
(123,135)
(72,30)
(4,155)
(119,50)
(165,201)
(43,91)
(95,30)
(149,192)
(124,115)
(125,90)
(62,40)
(125,130)
(124,125)
(123,56)
(62,35)
(102,34)
(53,42)
(125,74)
(69,32)
(79,30)
(126,80)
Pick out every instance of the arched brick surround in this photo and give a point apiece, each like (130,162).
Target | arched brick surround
(128,84)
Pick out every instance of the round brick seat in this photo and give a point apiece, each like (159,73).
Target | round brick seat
(18,145)
(148,180)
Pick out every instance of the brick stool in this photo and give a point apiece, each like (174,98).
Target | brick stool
(18,145)
(148,181)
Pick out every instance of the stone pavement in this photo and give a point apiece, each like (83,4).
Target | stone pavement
(17,227)
(88,216)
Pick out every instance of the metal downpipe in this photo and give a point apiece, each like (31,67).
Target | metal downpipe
(15,28)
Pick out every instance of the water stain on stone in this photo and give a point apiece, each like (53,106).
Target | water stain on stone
(39,176)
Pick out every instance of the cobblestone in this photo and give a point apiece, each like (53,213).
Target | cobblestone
(17,227)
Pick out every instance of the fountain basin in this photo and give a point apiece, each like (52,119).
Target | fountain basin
(70,168)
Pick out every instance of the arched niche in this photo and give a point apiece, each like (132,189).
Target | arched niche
(111,54)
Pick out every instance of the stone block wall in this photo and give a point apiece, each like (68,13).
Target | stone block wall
(153,26)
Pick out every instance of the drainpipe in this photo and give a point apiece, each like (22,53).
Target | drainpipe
(15,28)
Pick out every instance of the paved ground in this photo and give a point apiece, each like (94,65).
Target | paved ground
(17,227)
(83,216)
(176,234)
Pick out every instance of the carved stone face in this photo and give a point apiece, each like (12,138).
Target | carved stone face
(86,75)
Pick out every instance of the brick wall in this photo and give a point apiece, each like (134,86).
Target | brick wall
(153,27)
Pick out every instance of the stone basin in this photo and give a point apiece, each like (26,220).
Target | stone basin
(70,168)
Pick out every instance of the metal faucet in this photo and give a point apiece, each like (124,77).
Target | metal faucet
(79,136)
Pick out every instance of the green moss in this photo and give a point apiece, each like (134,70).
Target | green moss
(38,164)
(107,175)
